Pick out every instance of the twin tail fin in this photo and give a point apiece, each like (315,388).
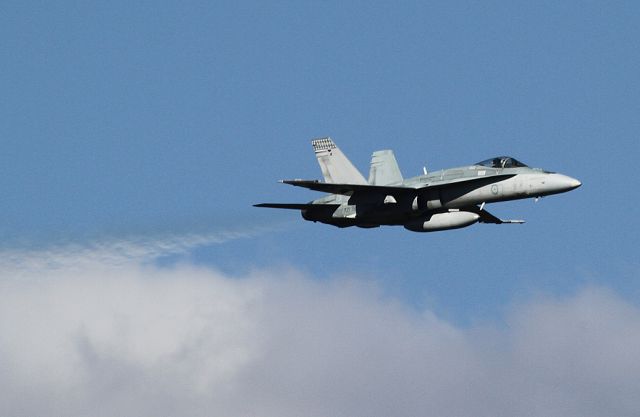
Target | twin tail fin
(336,167)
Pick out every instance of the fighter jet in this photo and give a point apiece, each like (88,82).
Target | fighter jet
(441,200)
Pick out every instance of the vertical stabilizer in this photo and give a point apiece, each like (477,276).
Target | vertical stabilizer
(336,168)
(384,169)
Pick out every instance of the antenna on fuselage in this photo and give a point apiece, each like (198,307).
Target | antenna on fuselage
(424,169)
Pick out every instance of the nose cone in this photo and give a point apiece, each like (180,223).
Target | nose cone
(562,183)
(574,183)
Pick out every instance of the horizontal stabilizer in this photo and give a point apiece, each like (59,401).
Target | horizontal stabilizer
(293,206)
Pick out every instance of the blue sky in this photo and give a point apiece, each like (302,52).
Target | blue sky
(161,117)
(136,278)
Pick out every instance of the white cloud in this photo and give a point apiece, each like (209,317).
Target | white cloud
(93,337)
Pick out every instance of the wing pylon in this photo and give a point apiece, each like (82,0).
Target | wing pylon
(486,217)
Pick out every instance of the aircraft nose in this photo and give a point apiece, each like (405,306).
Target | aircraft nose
(562,183)
(574,183)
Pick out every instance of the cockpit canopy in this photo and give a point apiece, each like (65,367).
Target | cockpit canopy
(501,162)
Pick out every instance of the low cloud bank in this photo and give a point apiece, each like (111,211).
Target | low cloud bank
(93,337)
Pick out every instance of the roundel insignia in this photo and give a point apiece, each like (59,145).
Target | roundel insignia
(494,189)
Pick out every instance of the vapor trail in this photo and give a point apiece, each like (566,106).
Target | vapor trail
(118,251)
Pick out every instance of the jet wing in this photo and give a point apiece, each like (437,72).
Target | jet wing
(349,189)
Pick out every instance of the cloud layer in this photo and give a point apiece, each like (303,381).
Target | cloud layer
(94,337)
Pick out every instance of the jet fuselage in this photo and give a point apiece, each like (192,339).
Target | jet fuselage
(440,200)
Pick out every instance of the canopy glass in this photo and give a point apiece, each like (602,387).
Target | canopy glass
(501,162)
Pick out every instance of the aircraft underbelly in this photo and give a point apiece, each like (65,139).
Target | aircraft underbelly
(358,215)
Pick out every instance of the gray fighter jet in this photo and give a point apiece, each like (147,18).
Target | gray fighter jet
(441,200)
